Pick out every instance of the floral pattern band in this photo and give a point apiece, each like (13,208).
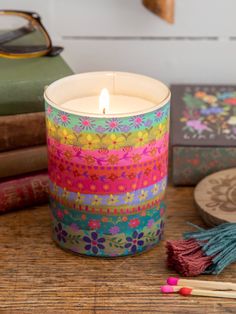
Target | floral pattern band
(134,239)
(107,181)
(104,203)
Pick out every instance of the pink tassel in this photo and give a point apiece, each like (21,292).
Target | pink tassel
(187,257)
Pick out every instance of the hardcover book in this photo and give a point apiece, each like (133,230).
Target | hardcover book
(203,131)
(22,130)
(22,161)
(22,82)
(24,191)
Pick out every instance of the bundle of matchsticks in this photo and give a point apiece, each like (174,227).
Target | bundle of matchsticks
(186,287)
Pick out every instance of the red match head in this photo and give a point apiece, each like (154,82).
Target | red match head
(185,291)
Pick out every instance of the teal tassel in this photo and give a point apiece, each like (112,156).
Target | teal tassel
(219,243)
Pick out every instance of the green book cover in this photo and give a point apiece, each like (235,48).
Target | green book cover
(22,82)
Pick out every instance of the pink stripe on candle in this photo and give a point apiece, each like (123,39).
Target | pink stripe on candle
(87,186)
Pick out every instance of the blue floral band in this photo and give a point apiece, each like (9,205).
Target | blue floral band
(132,199)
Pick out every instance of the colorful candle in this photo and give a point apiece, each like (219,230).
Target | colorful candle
(107,153)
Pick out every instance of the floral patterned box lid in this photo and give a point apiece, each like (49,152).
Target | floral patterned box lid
(203,115)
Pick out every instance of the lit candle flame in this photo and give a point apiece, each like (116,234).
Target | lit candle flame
(104,101)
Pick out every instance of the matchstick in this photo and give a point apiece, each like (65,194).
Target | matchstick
(186,291)
(211,285)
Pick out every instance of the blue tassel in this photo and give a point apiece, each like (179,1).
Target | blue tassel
(218,243)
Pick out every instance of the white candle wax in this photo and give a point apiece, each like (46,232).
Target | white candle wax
(130,94)
(119,104)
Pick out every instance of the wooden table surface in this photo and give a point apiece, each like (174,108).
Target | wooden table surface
(36,276)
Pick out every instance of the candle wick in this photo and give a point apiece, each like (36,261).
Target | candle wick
(104,110)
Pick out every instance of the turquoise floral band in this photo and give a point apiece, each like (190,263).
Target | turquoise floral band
(107,125)
(108,224)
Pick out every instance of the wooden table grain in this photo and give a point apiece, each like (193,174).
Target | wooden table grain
(36,276)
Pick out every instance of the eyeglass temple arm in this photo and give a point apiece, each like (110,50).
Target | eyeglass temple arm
(9,36)
(54,51)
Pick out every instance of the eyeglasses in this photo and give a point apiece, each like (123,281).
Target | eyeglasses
(22,35)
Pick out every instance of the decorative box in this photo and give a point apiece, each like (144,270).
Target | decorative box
(203,131)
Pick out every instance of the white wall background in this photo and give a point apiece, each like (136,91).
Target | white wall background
(122,35)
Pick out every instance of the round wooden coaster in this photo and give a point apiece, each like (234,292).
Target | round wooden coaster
(215,197)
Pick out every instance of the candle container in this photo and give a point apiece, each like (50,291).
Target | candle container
(108,170)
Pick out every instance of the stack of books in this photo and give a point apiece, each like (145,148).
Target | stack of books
(23,153)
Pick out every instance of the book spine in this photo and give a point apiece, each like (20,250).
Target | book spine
(24,192)
(22,161)
(16,131)
(23,81)
(22,97)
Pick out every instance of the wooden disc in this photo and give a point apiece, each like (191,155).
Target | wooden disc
(215,197)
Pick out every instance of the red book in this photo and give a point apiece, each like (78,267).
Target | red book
(23,192)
